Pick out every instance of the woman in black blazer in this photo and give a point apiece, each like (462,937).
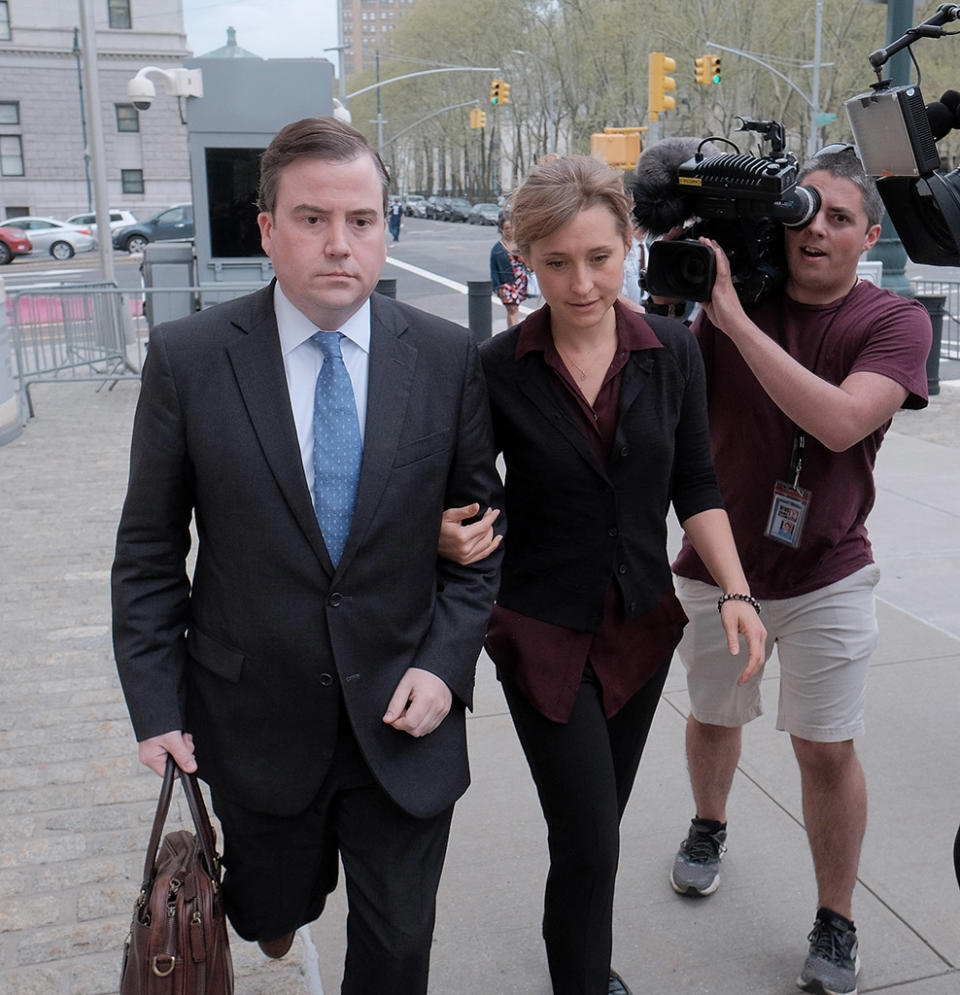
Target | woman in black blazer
(600,414)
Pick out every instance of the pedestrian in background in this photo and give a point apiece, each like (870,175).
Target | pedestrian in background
(394,218)
(508,274)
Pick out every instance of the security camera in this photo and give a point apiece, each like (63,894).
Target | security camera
(141,92)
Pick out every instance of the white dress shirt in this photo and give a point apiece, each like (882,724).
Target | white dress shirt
(302,361)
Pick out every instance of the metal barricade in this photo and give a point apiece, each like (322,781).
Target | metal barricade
(75,333)
(950,328)
(99,332)
(89,332)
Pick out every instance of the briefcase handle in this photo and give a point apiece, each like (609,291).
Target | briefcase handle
(201,820)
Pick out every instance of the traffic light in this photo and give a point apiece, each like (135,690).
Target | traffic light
(478,118)
(504,92)
(660,84)
(495,91)
(714,68)
(702,70)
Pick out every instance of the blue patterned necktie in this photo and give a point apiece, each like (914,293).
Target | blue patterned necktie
(337,449)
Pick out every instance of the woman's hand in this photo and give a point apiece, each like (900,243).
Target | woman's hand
(466,544)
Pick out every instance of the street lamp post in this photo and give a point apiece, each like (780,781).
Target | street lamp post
(83,118)
(88,36)
(340,48)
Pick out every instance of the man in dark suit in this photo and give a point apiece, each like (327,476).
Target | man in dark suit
(320,692)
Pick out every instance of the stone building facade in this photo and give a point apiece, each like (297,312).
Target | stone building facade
(42,160)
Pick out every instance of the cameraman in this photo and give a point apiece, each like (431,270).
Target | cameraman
(813,377)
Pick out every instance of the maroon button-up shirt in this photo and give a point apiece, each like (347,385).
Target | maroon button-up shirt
(547,661)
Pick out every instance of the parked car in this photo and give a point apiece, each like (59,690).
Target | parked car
(118,219)
(56,237)
(174,222)
(13,242)
(457,209)
(435,206)
(484,214)
(415,206)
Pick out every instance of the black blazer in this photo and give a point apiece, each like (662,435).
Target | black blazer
(253,657)
(575,522)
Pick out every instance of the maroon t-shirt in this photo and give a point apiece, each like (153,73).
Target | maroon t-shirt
(872,330)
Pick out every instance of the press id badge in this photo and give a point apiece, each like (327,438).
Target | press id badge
(788,513)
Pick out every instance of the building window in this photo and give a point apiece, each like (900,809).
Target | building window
(131,180)
(9,112)
(11,155)
(4,21)
(118,13)
(128,118)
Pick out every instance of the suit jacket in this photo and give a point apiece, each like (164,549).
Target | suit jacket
(577,522)
(254,656)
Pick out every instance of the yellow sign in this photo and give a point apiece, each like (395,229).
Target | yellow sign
(617,147)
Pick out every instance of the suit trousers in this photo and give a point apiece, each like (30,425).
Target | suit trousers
(584,770)
(279,871)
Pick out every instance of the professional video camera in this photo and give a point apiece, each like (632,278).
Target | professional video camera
(740,201)
(896,137)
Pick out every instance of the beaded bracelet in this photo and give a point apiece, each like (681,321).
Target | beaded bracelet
(749,598)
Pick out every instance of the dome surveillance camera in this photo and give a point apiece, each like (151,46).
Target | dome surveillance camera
(141,92)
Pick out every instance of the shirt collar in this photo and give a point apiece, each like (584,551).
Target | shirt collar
(295,327)
(633,332)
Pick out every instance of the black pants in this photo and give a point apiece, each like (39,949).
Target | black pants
(279,872)
(584,772)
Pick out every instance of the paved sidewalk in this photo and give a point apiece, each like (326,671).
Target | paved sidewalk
(75,807)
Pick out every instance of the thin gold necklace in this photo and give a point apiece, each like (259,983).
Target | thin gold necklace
(580,369)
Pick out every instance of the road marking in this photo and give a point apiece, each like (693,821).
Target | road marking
(460,288)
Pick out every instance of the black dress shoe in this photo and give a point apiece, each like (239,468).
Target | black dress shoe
(617,985)
(280,947)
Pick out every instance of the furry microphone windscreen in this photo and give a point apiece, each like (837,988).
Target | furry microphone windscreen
(658,204)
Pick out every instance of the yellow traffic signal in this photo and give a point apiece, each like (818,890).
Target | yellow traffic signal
(702,70)
(478,118)
(495,91)
(660,84)
(504,92)
(714,68)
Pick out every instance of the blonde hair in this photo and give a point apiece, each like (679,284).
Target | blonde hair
(555,191)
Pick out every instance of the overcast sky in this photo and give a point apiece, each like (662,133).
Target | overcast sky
(272,29)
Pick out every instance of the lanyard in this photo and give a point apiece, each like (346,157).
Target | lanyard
(799,436)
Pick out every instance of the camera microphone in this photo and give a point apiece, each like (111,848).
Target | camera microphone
(944,114)
(658,204)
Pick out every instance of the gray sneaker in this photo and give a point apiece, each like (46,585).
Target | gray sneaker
(696,868)
(833,963)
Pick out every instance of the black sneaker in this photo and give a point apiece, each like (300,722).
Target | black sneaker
(833,963)
(696,869)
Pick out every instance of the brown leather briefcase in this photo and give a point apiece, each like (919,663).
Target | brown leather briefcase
(178,936)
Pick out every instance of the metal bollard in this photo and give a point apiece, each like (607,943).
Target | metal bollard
(935,305)
(480,309)
(388,287)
